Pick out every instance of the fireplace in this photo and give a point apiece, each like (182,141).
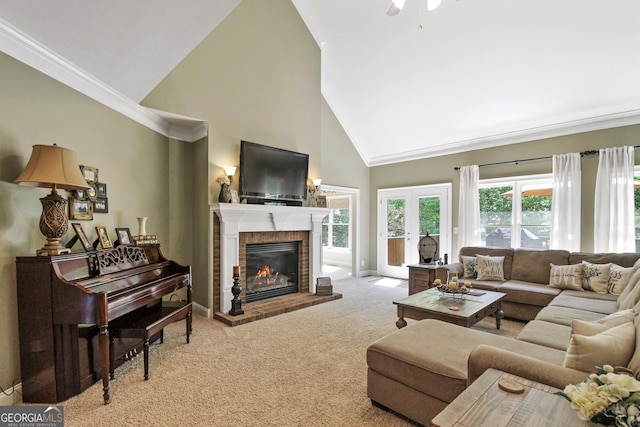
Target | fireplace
(272,270)
(236,226)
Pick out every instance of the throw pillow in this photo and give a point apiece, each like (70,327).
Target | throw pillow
(595,276)
(490,267)
(583,327)
(631,293)
(566,277)
(618,278)
(469,263)
(613,347)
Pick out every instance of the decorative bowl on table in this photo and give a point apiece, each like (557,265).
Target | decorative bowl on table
(446,289)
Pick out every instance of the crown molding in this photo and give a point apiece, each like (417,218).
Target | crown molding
(625,118)
(21,47)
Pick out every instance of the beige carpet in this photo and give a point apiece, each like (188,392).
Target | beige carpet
(304,368)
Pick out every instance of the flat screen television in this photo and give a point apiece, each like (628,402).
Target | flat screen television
(270,175)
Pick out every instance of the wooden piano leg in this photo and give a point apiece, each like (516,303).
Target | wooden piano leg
(105,359)
(103,342)
(146,358)
(188,325)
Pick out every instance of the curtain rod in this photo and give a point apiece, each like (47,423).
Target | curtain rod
(582,154)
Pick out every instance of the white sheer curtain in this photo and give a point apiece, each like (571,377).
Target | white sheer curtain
(565,202)
(469,207)
(614,229)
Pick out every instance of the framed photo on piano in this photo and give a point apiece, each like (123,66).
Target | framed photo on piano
(103,237)
(80,235)
(124,237)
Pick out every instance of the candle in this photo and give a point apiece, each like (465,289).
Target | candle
(236,271)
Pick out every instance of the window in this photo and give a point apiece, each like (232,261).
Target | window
(336,227)
(636,200)
(516,212)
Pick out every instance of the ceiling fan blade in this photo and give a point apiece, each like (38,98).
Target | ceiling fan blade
(393,10)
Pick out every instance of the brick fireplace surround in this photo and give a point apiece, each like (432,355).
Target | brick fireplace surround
(236,225)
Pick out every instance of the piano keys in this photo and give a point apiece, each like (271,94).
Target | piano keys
(65,305)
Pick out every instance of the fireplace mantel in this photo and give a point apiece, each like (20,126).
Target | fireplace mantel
(238,218)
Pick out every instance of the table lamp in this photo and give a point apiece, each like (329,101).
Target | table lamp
(53,167)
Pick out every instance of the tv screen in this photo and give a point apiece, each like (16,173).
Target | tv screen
(269,174)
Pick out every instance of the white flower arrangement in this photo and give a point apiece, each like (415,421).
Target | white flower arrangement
(223,180)
(606,398)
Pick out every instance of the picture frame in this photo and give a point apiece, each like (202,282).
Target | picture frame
(89,173)
(81,235)
(234,197)
(101,205)
(103,237)
(124,236)
(101,189)
(79,194)
(80,210)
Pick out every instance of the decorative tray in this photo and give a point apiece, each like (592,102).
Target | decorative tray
(460,291)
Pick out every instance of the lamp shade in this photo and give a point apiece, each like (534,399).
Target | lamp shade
(51,166)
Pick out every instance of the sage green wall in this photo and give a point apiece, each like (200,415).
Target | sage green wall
(255,77)
(343,166)
(143,170)
(441,169)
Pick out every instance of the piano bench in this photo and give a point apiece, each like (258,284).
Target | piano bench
(144,326)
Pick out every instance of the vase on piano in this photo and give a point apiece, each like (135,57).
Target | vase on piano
(142,226)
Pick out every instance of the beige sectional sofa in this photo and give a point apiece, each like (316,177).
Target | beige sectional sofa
(418,370)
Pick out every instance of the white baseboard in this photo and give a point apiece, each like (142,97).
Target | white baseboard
(14,397)
(201,310)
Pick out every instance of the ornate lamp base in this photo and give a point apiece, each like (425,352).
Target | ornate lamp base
(53,224)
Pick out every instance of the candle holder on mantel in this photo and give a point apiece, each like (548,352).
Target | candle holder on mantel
(236,289)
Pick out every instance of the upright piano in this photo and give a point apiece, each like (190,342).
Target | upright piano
(66,303)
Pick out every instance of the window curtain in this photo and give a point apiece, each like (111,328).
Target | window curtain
(469,207)
(614,229)
(565,202)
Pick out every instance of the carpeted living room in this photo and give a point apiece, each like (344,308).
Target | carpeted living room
(462,175)
(303,368)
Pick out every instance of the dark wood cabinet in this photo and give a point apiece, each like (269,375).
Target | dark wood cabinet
(421,277)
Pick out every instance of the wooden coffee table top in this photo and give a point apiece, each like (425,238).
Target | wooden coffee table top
(484,403)
(432,304)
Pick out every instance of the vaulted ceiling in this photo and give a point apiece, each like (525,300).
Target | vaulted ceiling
(470,74)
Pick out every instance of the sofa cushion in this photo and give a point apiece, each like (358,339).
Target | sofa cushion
(431,356)
(634,363)
(534,265)
(623,259)
(591,295)
(566,277)
(528,293)
(507,253)
(564,315)
(631,293)
(614,346)
(595,277)
(490,267)
(604,306)
(552,335)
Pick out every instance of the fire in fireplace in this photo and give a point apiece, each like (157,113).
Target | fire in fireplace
(272,270)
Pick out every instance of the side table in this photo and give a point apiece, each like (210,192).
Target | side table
(484,403)
(421,277)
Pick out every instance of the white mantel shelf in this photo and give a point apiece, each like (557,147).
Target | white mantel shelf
(236,218)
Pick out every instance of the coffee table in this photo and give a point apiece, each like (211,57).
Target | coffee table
(484,403)
(431,304)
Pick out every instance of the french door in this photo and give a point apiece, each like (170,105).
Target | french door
(406,215)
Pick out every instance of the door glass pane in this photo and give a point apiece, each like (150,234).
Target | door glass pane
(429,217)
(395,231)
(496,216)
